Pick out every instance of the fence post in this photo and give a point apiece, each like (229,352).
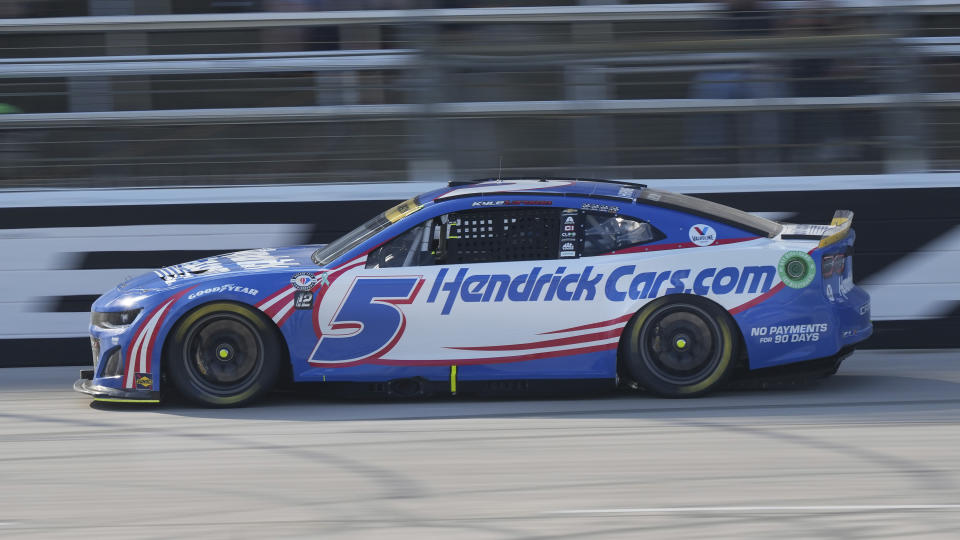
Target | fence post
(904,124)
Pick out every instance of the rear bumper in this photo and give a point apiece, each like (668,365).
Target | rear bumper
(86,385)
(799,371)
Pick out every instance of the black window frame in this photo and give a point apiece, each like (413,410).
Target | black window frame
(440,245)
(657,233)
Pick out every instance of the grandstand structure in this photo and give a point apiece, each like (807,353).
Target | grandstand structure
(639,90)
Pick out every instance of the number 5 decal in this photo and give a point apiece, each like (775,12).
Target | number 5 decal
(370,310)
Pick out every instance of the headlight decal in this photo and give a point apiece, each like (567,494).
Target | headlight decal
(114,319)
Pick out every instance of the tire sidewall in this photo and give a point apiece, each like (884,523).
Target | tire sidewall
(177,363)
(634,366)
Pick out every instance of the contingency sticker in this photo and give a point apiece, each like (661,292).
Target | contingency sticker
(569,234)
(303,300)
(796,269)
(703,235)
(144,381)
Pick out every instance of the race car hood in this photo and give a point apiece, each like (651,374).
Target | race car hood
(229,264)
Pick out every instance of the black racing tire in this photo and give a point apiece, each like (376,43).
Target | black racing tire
(679,347)
(223,355)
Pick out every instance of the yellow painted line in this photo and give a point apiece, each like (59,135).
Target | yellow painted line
(121,400)
(453,379)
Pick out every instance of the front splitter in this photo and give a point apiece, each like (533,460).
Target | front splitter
(114,395)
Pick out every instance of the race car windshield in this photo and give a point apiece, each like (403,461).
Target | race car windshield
(345,243)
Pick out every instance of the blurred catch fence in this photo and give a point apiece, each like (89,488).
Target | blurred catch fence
(677,90)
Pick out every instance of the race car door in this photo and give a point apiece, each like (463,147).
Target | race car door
(498,283)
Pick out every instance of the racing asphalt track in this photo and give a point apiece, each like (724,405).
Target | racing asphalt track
(872,453)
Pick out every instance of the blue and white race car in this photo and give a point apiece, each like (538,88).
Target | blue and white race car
(497,284)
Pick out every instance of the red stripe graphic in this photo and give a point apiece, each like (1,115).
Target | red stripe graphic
(495,360)
(745,306)
(277,306)
(757,300)
(272,296)
(156,330)
(148,352)
(286,303)
(678,245)
(331,277)
(548,343)
(600,324)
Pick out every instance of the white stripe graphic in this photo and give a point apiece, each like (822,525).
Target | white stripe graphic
(152,325)
(279,315)
(735,509)
(276,299)
(139,349)
(132,360)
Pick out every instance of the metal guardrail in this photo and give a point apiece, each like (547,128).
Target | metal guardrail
(380,59)
(583,106)
(498,109)
(212,63)
(554,14)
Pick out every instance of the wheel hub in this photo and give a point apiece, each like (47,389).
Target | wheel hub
(224,352)
(680,344)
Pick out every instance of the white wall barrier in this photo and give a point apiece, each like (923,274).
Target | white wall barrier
(60,249)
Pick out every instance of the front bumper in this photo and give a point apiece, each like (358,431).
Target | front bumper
(86,385)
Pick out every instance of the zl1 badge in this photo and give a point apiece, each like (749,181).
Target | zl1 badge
(303,300)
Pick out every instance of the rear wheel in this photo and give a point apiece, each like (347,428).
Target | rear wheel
(223,355)
(679,347)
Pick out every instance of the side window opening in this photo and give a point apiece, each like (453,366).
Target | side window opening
(474,236)
(604,233)
(499,235)
(411,248)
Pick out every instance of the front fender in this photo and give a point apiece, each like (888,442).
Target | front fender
(144,350)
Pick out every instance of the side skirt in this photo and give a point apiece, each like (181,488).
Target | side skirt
(422,388)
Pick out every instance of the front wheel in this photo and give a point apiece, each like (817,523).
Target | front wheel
(223,355)
(679,347)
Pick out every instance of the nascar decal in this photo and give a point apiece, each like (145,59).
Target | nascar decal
(368,322)
(140,352)
(621,283)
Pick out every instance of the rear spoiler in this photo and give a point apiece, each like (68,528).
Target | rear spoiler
(838,229)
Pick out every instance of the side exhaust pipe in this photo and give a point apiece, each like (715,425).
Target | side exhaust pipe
(406,388)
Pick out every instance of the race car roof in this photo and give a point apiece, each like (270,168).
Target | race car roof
(608,190)
(564,186)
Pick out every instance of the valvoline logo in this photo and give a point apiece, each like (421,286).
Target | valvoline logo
(623,282)
(703,235)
